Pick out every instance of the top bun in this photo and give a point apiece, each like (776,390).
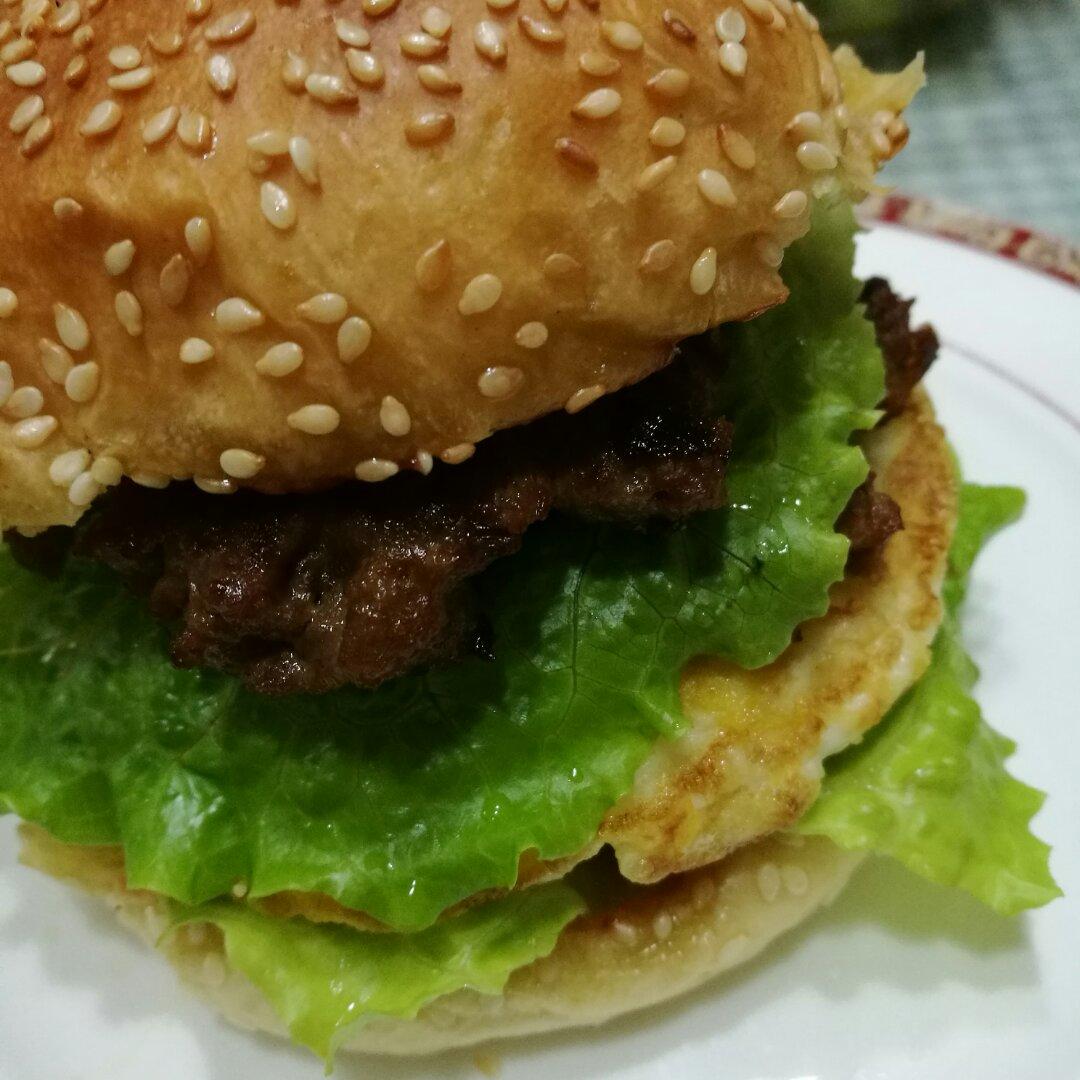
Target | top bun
(278,244)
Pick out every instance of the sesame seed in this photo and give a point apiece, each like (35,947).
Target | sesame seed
(302,155)
(199,237)
(667,132)
(733,58)
(331,89)
(703,272)
(9,303)
(38,136)
(792,205)
(374,8)
(716,188)
(768,882)
(125,57)
(456,455)
(196,351)
(394,417)
(816,157)
(437,79)
(428,128)
(678,27)
(26,112)
(421,46)
(663,924)
(501,5)
(7,383)
(436,21)
(166,44)
(375,469)
(175,280)
(71,327)
(770,252)
(67,209)
(480,295)
(739,149)
(490,41)
(583,398)
(77,71)
(18,50)
(26,74)
(433,267)
(655,174)
(160,126)
(541,31)
(294,72)
(56,361)
(221,74)
(314,419)
(129,312)
(241,464)
(533,335)
(66,466)
(271,142)
(353,339)
(81,384)
(277,206)
(102,119)
(424,462)
(731,25)
(573,153)
(280,360)
(195,131)
(119,257)
(658,257)
(621,35)
(500,382)
(131,81)
(107,471)
(806,18)
(150,480)
(24,402)
(237,316)
(599,65)
(670,83)
(235,26)
(351,34)
(365,69)
(325,308)
(32,433)
(560,265)
(84,490)
(796,880)
(843,117)
(806,125)
(214,486)
(762,10)
(598,104)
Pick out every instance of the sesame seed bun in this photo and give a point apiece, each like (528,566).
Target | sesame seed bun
(282,245)
(663,941)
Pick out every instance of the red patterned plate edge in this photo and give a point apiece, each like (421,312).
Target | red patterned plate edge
(1029,248)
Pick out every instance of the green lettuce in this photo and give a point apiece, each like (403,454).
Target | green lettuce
(929,785)
(325,980)
(403,801)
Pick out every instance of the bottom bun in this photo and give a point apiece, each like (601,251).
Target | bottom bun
(656,943)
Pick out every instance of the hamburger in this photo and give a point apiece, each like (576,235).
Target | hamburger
(477,561)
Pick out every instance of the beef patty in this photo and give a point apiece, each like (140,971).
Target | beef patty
(361,583)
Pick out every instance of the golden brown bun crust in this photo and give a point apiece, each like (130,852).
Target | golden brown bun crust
(495,190)
(667,940)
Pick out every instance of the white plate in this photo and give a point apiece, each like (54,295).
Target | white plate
(900,980)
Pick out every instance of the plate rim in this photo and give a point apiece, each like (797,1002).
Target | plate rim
(1021,245)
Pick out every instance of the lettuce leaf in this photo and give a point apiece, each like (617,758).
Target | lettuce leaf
(324,980)
(928,785)
(403,801)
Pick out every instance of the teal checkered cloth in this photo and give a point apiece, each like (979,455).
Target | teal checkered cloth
(998,128)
